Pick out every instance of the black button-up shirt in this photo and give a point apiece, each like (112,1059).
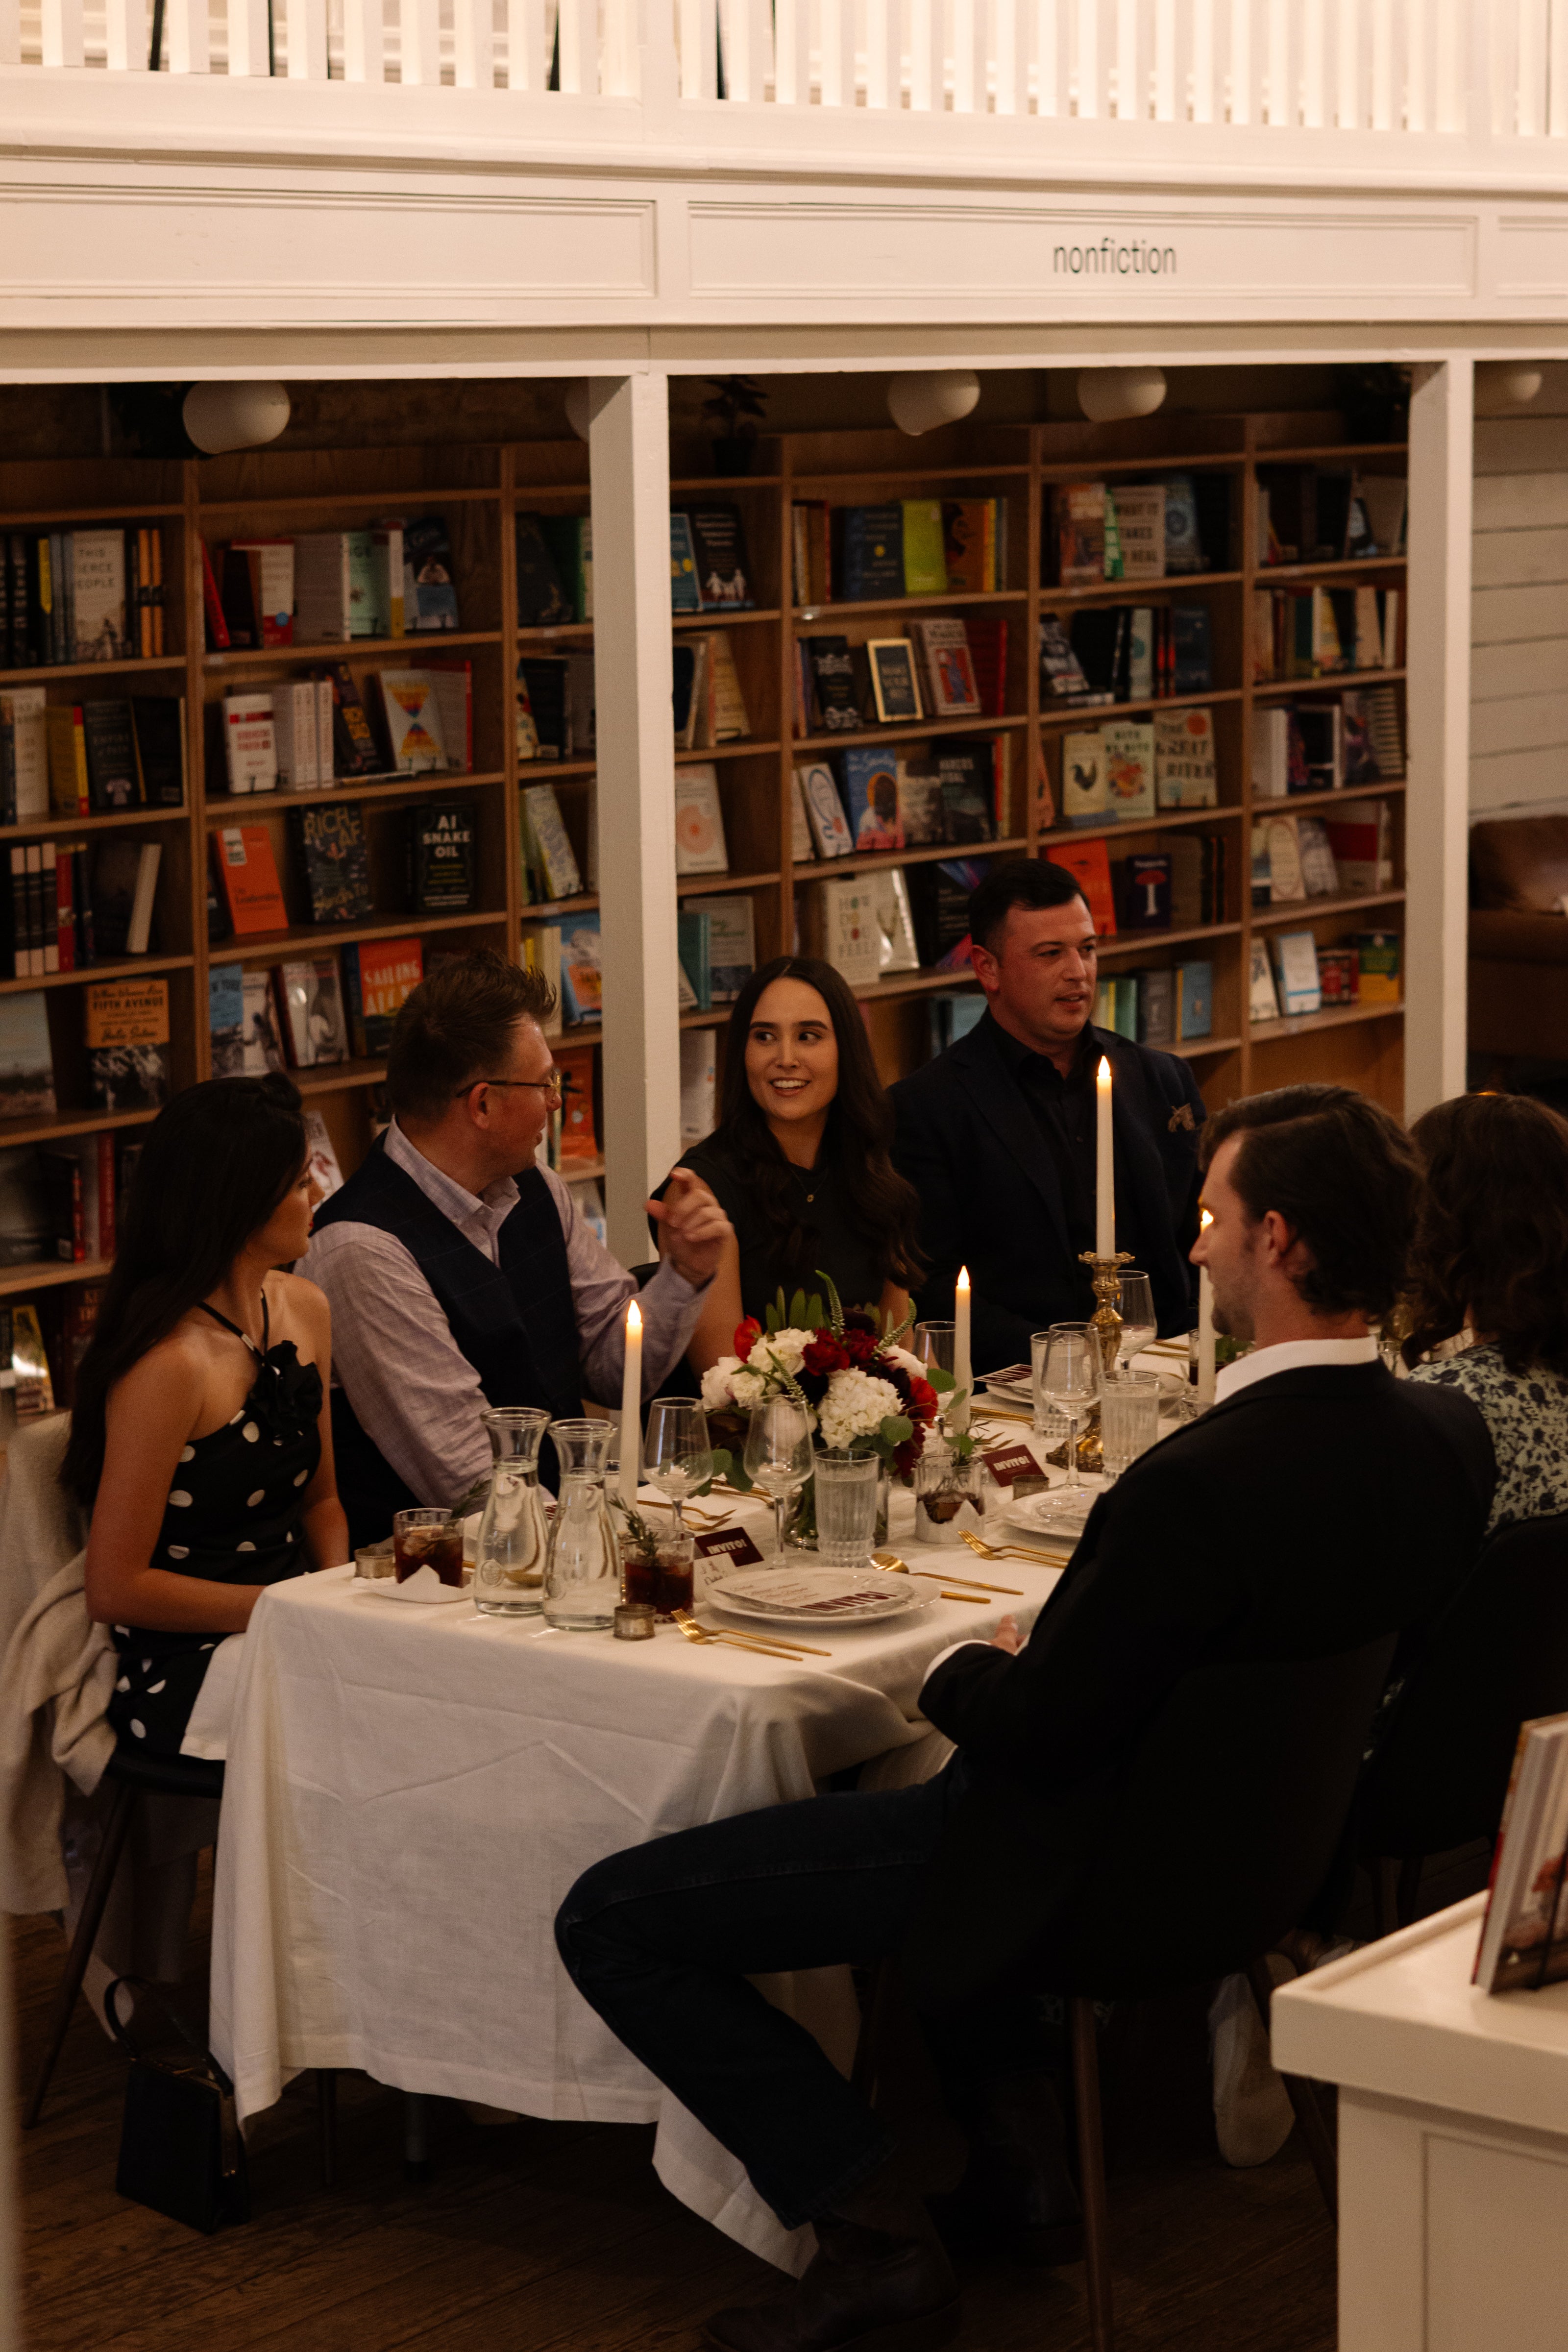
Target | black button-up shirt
(1064,1111)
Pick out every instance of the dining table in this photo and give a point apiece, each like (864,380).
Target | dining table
(411,1792)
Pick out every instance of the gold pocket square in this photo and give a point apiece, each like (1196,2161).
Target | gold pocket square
(1182,1117)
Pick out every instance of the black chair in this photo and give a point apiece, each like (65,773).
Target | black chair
(134,1775)
(1497,1656)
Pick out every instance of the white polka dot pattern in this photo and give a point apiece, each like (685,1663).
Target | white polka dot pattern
(252,1500)
(250,1432)
(179,1551)
(189,1455)
(179,1499)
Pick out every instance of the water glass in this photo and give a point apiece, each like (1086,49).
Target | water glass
(1047,1422)
(1069,1378)
(1129,1420)
(846,1508)
(778,1456)
(677,1452)
(936,1346)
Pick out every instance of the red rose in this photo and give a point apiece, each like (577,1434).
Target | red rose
(825,1355)
(922,1398)
(747,1334)
(859,1347)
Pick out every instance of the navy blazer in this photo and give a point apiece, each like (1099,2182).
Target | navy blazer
(991,1199)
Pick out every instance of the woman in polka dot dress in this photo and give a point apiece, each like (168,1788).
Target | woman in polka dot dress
(201,1439)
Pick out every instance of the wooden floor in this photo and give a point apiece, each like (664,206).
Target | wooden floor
(543,2235)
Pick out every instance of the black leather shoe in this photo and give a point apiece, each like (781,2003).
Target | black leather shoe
(1016,2198)
(866,2291)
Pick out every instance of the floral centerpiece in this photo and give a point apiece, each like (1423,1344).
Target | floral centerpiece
(863,1393)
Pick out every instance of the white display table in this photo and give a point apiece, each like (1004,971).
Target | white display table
(1453,2142)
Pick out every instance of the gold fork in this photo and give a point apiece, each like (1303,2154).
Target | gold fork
(1013,1552)
(696,1633)
(947,1575)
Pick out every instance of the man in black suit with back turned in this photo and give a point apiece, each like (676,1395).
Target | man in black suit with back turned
(997,1135)
(1320,1507)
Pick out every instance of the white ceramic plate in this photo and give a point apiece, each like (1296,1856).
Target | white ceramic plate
(814,1596)
(1026,1512)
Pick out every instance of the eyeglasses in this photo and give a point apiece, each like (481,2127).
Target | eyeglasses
(551,1088)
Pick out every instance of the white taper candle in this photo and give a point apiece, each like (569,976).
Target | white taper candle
(963,1371)
(631,1406)
(1205,1329)
(1104,1167)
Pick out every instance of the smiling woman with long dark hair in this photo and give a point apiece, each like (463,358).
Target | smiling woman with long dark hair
(799,1161)
(200,1439)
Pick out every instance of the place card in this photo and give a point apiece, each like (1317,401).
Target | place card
(1011,1462)
(732,1544)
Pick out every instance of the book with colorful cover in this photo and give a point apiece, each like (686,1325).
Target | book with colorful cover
(1089,864)
(247,876)
(127,1024)
(379,976)
(871,797)
(333,859)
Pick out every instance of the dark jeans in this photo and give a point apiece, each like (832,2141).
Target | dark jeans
(661,1939)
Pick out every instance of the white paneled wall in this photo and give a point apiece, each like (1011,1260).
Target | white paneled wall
(1519,662)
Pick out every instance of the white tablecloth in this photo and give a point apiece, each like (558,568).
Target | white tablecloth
(411,1793)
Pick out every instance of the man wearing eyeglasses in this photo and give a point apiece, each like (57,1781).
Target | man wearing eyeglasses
(461,1275)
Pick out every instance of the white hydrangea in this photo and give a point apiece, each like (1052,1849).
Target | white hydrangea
(786,1348)
(717,1383)
(748,1389)
(856,1405)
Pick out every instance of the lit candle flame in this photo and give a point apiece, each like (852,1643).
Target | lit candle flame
(1205,1216)
(963,1278)
(1103,1076)
(634,1316)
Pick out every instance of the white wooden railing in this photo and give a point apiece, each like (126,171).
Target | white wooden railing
(1481,71)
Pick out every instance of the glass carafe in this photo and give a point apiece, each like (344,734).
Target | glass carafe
(509,1560)
(581,1564)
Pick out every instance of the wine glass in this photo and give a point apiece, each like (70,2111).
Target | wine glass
(935,1344)
(1139,1322)
(677,1452)
(778,1454)
(1069,1378)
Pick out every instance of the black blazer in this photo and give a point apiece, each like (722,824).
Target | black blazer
(990,1198)
(1305,1517)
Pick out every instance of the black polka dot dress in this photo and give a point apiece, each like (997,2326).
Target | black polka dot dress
(232,1517)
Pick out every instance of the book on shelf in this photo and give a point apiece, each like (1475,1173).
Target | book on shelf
(324,587)
(895,682)
(1128,753)
(1089,865)
(1156,1006)
(825,810)
(443,852)
(429,593)
(332,858)
(732,945)
(550,865)
(1523,1942)
(871,798)
(579,1137)
(848,934)
(581,980)
(719,551)
(313,1023)
(24,753)
(949,669)
(1262,1001)
(698,1085)
(1083,793)
(1185,771)
(582,708)
(1318,871)
(356,753)
(1277,876)
(543,712)
(1339,972)
(1194,999)
(700,846)
(26,931)
(685,590)
(694,943)
(924,548)
(717,704)
(226,1019)
(938,895)
(539,947)
(834,705)
(263,570)
(1198,869)
(379,976)
(802,847)
(248,878)
(125,887)
(1062,677)
(1079,516)
(952,1017)
(920,790)
(867,553)
(249,742)
(34,1387)
(1141,527)
(811,553)
(1145,893)
(1296,972)
(541,595)
(261,1046)
(321,1162)
(127,1027)
(100,619)
(688,696)
(79,1185)
(974,541)
(966,774)
(987,637)
(1192,649)
(896,945)
(1375,748)
(1377,967)
(570,539)
(296,736)
(1116,1005)
(412,717)
(25,1221)
(65,736)
(1360,837)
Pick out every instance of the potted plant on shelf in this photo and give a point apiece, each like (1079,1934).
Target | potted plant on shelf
(738,402)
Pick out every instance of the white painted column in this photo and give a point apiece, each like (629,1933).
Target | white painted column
(1438,796)
(629,456)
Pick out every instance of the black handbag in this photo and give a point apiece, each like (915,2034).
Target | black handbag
(180,2146)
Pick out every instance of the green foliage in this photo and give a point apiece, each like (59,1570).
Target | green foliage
(638,1530)
(802,1313)
(897,1430)
(938,1380)
(834,1305)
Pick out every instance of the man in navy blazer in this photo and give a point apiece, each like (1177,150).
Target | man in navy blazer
(997,1135)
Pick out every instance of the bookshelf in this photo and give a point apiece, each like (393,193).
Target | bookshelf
(481,490)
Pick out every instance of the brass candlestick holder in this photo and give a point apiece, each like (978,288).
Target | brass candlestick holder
(1105,1322)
